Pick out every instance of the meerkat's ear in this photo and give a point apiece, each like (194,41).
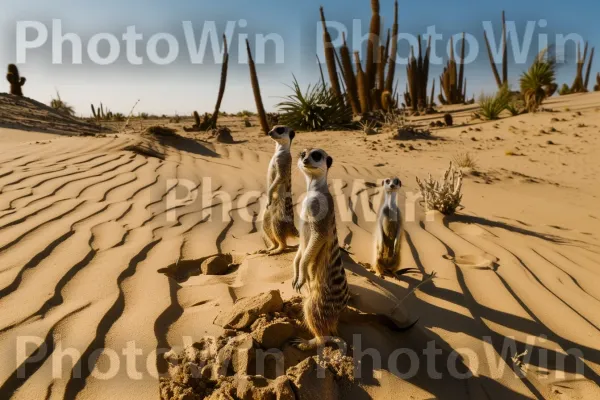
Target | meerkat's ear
(292,135)
(329,162)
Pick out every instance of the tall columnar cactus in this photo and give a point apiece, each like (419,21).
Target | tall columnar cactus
(262,115)
(597,85)
(389,82)
(504,80)
(349,77)
(330,57)
(417,72)
(579,84)
(431,101)
(451,80)
(373,44)
(215,116)
(361,81)
(589,70)
(16,81)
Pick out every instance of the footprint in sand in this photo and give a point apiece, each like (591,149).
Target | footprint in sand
(475,261)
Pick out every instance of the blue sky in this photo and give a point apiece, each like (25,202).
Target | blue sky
(182,86)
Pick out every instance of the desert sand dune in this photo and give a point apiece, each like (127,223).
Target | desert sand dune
(97,250)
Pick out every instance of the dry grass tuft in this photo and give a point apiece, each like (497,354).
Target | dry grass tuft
(465,160)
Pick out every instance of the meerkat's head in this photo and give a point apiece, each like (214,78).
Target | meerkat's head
(314,163)
(392,185)
(283,135)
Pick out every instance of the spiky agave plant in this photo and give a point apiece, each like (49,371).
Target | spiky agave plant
(493,105)
(536,81)
(316,109)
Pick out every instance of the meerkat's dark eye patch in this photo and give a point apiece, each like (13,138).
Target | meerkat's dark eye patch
(280,130)
(387,181)
(316,156)
(397,182)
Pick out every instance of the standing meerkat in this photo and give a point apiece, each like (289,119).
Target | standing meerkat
(278,221)
(318,262)
(388,232)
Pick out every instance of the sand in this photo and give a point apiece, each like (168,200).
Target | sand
(100,258)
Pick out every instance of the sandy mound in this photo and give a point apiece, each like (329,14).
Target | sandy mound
(253,359)
(31,115)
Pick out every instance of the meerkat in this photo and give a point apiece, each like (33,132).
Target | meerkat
(318,262)
(278,222)
(388,232)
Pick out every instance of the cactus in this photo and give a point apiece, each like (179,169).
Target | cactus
(431,102)
(597,86)
(389,82)
(351,87)
(96,116)
(504,80)
(16,81)
(417,72)
(578,85)
(373,44)
(330,58)
(361,82)
(451,84)
(589,70)
(262,115)
(215,116)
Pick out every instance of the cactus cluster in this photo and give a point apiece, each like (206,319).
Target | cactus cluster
(417,74)
(101,114)
(367,87)
(580,84)
(452,81)
(597,85)
(16,81)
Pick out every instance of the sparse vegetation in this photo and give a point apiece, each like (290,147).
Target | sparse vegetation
(465,160)
(493,105)
(515,107)
(443,195)
(16,81)
(448,120)
(316,109)
(60,105)
(597,85)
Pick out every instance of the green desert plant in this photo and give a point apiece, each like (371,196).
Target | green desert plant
(262,115)
(60,105)
(535,82)
(16,81)
(493,105)
(564,90)
(515,107)
(144,115)
(316,109)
